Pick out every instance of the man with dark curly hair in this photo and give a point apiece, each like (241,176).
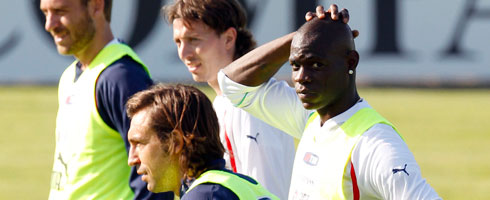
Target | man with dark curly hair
(174,135)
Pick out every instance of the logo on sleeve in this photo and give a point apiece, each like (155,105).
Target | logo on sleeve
(254,138)
(311,159)
(401,170)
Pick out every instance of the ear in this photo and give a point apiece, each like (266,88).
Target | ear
(352,60)
(96,8)
(229,37)
(178,142)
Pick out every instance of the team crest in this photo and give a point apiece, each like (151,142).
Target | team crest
(311,159)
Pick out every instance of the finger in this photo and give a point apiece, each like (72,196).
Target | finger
(320,12)
(345,15)
(334,11)
(309,16)
(355,33)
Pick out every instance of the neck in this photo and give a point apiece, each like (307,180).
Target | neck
(226,60)
(214,84)
(339,106)
(86,55)
(176,192)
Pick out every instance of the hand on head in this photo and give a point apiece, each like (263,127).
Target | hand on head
(334,15)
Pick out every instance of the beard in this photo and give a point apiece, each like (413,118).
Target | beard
(81,34)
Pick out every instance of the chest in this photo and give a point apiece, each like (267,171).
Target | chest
(321,161)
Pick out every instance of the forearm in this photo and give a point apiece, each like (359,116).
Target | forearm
(260,64)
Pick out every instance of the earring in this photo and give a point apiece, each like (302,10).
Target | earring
(351,71)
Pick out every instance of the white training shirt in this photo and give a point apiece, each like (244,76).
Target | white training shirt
(379,151)
(260,150)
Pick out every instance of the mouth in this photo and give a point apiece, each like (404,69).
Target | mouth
(139,171)
(59,37)
(306,96)
(193,67)
(304,93)
(144,178)
(144,175)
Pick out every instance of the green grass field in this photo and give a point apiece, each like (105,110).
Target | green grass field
(447,130)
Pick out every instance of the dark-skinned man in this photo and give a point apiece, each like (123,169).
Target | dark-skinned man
(209,35)
(347,150)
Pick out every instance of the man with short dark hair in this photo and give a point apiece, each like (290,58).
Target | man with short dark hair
(90,159)
(174,136)
(347,150)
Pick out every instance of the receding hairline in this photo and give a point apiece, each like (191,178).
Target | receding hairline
(326,32)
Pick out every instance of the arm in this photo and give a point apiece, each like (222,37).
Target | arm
(114,87)
(386,168)
(259,65)
(273,102)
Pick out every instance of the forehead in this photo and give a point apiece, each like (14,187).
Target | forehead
(303,49)
(45,4)
(306,46)
(183,27)
(140,125)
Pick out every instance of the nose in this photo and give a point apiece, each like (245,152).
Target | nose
(185,51)
(301,76)
(133,158)
(52,22)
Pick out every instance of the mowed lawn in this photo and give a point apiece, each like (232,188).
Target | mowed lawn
(447,130)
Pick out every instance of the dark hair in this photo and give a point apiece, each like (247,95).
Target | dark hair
(107,8)
(182,113)
(217,14)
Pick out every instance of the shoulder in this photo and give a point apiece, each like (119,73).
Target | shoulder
(385,165)
(382,136)
(125,73)
(124,68)
(210,191)
(380,150)
(382,142)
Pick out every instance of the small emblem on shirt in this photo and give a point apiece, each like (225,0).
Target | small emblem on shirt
(68,100)
(254,138)
(311,159)
(401,170)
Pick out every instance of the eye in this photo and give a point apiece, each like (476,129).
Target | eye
(317,65)
(60,11)
(294,65)
(194,40)
(177,42)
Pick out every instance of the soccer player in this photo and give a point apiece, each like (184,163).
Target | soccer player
(90,159)
(209,35)
(174,135)
(347,150)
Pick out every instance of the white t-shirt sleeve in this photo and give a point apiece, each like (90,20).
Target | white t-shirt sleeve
(273,102)
(385,167)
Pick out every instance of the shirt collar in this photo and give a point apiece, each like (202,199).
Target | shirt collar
(342,117)
(113,41)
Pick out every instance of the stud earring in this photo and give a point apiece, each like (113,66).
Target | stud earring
(351,71)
